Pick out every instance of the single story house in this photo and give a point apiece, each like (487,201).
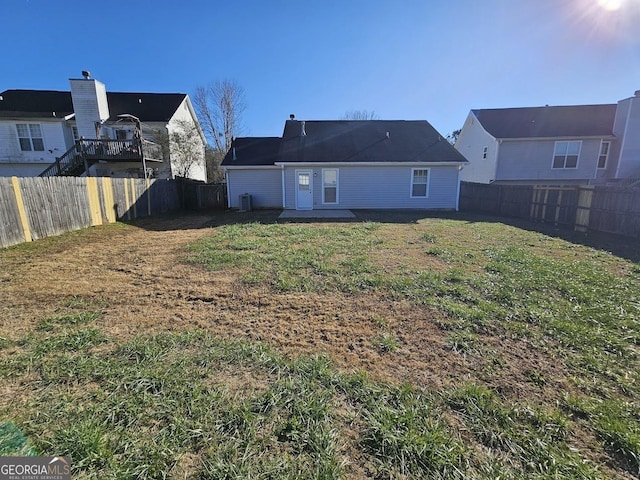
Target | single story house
(346,164)
(90,131)
(553,145)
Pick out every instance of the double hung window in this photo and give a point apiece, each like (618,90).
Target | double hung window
(329,185)
(419,182)
(604,154)
(565,154)
(30,137)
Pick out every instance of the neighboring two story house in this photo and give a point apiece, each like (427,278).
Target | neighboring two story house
(89,131)
(565,145)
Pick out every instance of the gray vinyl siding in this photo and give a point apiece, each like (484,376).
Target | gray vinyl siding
(532,160)
(264,185)
(364,187)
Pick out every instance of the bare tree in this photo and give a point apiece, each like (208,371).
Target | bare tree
(453,136)
(219,107)
(213,159)
(187,149)
(182,146)
(360,115)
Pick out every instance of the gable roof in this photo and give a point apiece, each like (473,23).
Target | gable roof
(253,151)
(348,141)
(148,107)
(545,122)
(35,103)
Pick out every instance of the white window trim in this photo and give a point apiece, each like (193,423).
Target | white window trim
(337,187)
(606,160)
(31,137)
(411,195)
(553,156)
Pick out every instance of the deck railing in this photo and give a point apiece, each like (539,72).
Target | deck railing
(66,164)
(85,153)
(111,149)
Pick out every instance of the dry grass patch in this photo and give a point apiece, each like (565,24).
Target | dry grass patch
(334,350)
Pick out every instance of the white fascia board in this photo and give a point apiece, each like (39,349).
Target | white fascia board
(369,164)
(33,119)
(194,117)
(547,139)
(250,167)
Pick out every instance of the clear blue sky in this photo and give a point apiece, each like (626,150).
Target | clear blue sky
(404,59)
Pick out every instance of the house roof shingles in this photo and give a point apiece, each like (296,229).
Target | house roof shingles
(35,103)
(347,141)
(148,107)
(548,122)
(255,151)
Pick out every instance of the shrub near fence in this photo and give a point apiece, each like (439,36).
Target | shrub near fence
(600,208)
(38,207)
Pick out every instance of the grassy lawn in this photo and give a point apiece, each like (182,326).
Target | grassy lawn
(195,404)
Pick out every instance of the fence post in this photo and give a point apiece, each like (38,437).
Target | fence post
(583,210)
(558,206)
(535,204)
(148,187)
(93,197)
(22,211)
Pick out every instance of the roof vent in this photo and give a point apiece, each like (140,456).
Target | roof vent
(387,135)
(292,116)
(233,153)
(139,100)
(303,133)
(86,74)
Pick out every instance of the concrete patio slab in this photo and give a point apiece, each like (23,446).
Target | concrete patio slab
(317,214)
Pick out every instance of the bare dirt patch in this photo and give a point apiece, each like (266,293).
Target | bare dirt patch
(137,278)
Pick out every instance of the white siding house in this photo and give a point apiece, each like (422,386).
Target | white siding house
(371,164)
(29,145)
(41,128)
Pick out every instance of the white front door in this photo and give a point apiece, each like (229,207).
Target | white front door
(304,190)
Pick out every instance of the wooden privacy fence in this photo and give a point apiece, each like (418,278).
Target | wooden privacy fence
(585,208)
(38,207)
(199,196)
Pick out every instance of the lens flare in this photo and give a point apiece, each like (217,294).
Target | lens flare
(610,5)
